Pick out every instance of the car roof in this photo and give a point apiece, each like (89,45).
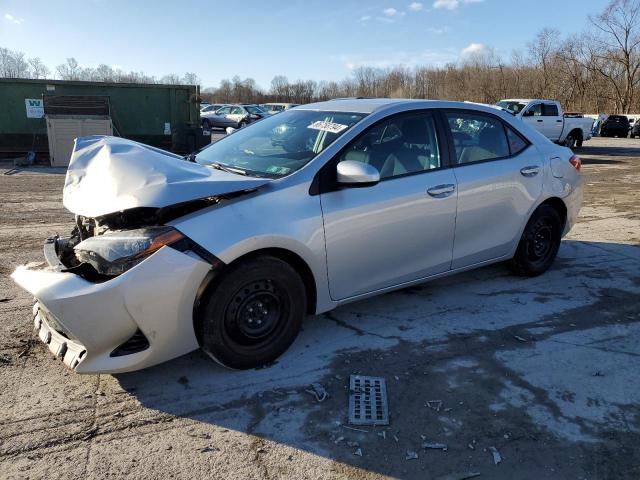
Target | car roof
(371,105)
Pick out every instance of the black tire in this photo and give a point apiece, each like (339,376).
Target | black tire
(570,141)
(539,243)
(238,335)
(206,125)
(242,124)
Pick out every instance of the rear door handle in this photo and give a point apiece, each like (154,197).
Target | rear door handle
(530,171)
(539,120)
(442,191)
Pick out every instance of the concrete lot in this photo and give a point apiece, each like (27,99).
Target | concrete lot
(546,370)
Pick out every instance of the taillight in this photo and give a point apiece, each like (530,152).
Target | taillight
(576,162)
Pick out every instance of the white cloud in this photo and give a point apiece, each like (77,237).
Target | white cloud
(392,58)
(439,31)
(447,4)
(365,18)
(390,12)
(416,6)
(475,49)
(15,20)
(452,4)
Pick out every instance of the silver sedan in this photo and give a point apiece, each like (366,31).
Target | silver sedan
(296,214)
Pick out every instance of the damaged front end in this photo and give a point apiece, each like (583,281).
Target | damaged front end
(118,293)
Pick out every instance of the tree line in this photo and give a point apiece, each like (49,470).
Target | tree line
(597,70)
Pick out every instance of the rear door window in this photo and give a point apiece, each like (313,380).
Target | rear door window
(549,110)
(477,137)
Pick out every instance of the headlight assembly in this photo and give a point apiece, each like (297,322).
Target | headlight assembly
(116,252)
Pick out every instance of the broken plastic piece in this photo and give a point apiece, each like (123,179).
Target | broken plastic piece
(358,452)
(497,458)
(435,446)
(411,455)
(318,391)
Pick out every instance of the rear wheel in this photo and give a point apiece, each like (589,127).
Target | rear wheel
(539,243)
(570,141)
(253,314)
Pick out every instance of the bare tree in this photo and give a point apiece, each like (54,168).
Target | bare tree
(70,70)
(38,69)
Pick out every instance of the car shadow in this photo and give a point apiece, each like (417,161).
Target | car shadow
(389,335)
(609,150)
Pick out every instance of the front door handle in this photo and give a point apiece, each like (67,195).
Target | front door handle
(530,171)
(442,191)
(539,120)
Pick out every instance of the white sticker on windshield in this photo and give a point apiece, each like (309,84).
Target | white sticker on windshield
(328,126)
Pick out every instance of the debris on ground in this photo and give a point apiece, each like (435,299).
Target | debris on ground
(338,440)
(358,452)
(497,458)
(411,455)
(353,444)
(435,446)
(434,404)
(472,444)
(459,476)
(354,428)
(520,339)
(208,449)
(318,391)
(383,434)
(598,374)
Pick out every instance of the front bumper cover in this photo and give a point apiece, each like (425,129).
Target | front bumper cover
(156,297)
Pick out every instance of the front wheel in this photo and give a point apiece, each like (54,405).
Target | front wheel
(253,314)
(539,243)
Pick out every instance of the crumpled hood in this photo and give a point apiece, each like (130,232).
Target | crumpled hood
(110,174)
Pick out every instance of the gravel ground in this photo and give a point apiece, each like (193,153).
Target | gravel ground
(545,371)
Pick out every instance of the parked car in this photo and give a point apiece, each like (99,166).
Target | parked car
(615,126)
(299,213)
(274,108)
(547,117)
(211,107)
(211,119)
(242,115)
(635,130)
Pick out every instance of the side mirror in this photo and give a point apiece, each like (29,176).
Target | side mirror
(351,172)
(528,113)
(230,130)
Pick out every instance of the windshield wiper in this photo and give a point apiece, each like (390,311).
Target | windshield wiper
(226,168)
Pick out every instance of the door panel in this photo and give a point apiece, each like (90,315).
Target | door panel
(499,177)
(494,200)
(400,229)
(536,120)
(388,234)
(552,121)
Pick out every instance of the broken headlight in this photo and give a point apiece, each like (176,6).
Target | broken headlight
(116,252)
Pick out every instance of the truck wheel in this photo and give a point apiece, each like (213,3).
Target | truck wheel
(570,141)
(253,314)
(539,243)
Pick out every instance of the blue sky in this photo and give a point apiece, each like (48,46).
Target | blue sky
(308,39)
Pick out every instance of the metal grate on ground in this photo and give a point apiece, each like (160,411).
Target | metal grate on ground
(368,401)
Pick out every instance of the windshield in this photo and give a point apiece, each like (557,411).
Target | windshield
(513,107)
(253,109)
(278,145)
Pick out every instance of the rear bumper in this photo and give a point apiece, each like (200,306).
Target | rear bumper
(156,297)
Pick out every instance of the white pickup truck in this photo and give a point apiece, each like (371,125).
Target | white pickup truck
(547,117)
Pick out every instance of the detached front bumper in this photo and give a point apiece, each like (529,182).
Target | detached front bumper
(84,323)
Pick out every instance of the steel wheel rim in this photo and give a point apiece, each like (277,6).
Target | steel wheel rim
(540,241)
(254,314)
